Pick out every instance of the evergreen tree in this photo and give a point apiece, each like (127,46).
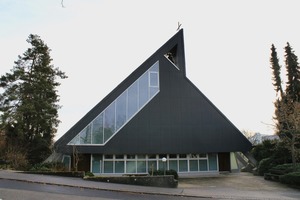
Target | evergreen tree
(276,70)
(293,74)
(28,105)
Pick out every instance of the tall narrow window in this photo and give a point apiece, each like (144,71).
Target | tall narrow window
(121,110)
(132,100)
(97,134)
(109,121)
(143,90)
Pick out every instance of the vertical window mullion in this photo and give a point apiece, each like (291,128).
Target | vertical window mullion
(149,85)
(115,124)
(103,120)
(138,95)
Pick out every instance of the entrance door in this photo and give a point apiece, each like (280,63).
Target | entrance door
(224,161)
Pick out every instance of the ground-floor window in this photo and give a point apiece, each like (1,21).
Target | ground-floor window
(140,164)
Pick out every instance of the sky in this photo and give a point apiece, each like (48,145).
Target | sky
(98,43)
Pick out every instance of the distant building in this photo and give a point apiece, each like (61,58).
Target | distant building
(155,113)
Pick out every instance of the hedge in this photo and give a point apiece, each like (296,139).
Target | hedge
(292,178)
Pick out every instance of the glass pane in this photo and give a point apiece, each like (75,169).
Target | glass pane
(153,91)
(108,156)
(119,156)
(173,156)
(152,156)
(119,167)
(154,67)
(85,135)
(193,155)
(202,155)
(143,90)
(183,166)
(130,156)
(130,167)
(75,140)
(151,166)
(212,159)
(193,165)
(108,166)
(173,164)
(132,106)
(141,156)
(98,130)
(153,79)
(202,165)
(141,167)
(162,165)
(121,110)
(66,161)
(109,121)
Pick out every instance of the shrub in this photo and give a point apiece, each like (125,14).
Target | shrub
(16,159)
(291,178)
(287,168)
(274,149)
(265,165)
(49,166)
(90,174)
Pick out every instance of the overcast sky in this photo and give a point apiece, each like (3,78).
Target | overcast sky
(98,43)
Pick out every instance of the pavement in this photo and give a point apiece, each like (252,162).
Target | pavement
(242,186)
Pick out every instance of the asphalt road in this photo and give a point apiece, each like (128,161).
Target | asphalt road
(18,190)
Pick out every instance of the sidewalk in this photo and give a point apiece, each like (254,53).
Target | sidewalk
(230,186)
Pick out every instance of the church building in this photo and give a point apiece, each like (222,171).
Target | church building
(154,119)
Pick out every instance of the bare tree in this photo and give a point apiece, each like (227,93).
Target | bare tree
(75,158)
(251,136)
(290,129)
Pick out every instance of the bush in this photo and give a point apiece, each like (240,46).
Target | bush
(274,149)
(156,181)
(265,165)
(291,178)
(287,168)
(48,167)
(16,159)
(90,174)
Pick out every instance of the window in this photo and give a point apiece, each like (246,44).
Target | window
(96,163)
(143,90)
(130,167)
(213,162)
(119,167)
(203,165)
(193,165)
(97,136)
(85,135)
(183,166)
(109,121)
(108,166)
(132,100)
(121,114)
(120,111)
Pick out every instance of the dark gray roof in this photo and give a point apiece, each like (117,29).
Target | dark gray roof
(179,119)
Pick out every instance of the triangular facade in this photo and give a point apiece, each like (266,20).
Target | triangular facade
(155,112)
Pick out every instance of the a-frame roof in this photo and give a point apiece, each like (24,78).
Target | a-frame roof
(179,119)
